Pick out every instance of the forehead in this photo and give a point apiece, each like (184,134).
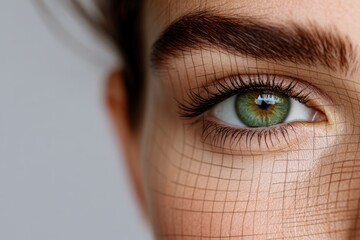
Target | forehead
(342,15)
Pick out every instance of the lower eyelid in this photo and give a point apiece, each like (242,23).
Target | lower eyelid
(234,136)
(282,137)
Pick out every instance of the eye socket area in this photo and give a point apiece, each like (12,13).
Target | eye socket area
(261,109)
(280,113)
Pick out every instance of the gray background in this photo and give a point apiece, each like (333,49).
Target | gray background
(61,174)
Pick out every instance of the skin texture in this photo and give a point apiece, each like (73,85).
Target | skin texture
(304,186)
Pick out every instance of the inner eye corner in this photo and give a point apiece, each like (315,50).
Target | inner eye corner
(320,116)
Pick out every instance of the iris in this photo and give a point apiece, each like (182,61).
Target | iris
(262,108)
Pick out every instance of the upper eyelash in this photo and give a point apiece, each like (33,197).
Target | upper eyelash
(199,103)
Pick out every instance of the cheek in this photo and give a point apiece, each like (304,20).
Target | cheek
(308,191)
(194,192)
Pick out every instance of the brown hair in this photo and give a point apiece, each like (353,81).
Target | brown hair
(120,22)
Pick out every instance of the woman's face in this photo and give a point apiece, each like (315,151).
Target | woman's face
(252,124)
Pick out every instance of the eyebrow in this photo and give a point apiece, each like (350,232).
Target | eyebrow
(307,45)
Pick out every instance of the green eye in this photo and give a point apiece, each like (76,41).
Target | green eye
(262,108)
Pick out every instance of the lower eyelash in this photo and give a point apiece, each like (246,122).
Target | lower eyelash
(220,135)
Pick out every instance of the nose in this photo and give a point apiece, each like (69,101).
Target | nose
(327,205)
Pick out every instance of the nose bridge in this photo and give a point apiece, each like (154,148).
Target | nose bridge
(354,202)
(355,230)
(349,192)
(327,200)
(338,193)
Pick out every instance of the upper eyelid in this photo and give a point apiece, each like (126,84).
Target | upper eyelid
(198,99)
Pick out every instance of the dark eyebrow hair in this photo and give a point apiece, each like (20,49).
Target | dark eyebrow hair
(248,36)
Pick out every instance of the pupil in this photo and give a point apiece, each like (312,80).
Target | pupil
(265,101)
(263,105)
